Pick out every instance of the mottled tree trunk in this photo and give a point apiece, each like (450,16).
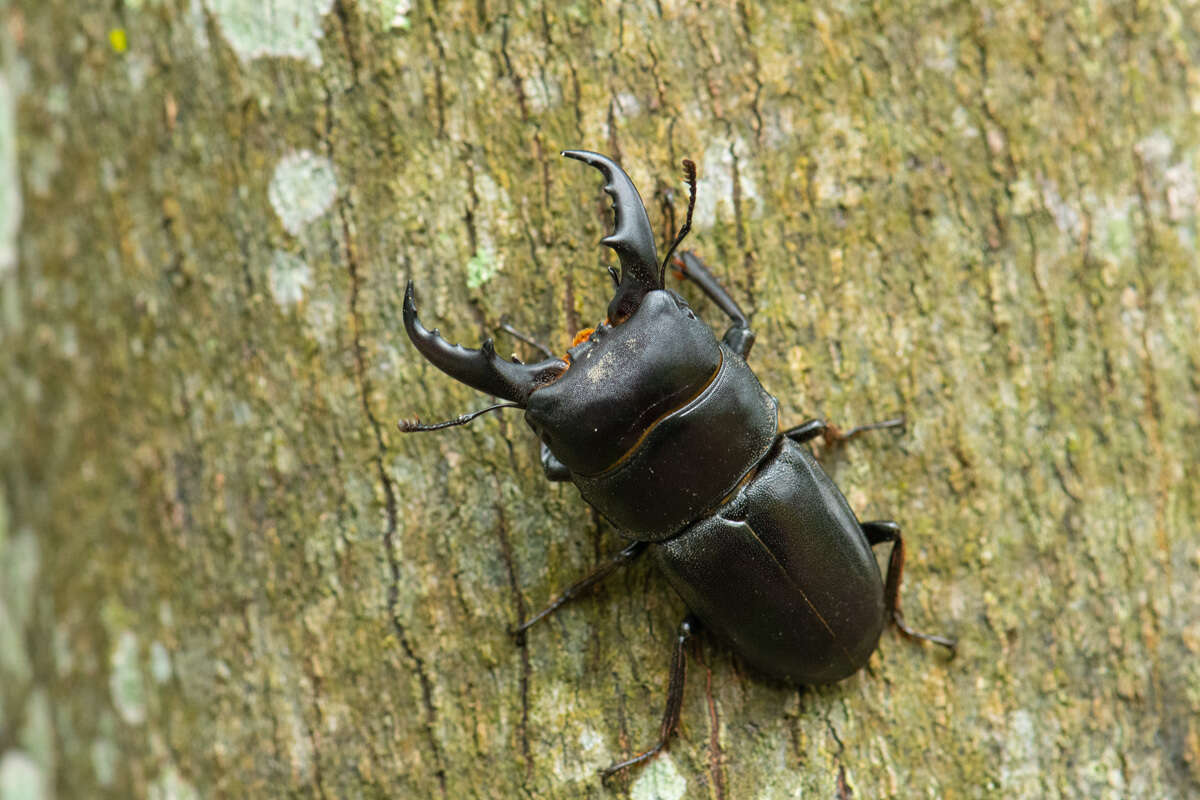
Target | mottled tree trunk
(223,573)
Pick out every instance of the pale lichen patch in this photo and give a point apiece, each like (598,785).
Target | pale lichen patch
(160,662)
(299,743)
(171,786)
(288,276)
(1020,767)
(125,681)
(591,742)
(321,319)
(19,562)
(491,219)
(18,570)
(543,92)
(21,778)
(37,734)
(715,184)
(302,189)
(284,28)
(660,780)
(1112,229)
(195,21)
(482,267)
(42,165)
(104,761)
(139,66)
(1183,199)
(10,184)
(394,14)
(552,712)
(840,160)
(60,646)
(1066,217)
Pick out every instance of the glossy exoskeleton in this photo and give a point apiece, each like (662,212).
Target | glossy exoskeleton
(667,433)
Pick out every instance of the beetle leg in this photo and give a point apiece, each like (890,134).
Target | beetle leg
(555,470)
(739,337)
(670,720)
(811,429)
(806,431)
(882,531)
(526,338)
(576,589)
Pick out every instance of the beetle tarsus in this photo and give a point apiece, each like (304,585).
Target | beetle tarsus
(670,720)
(878,532)
(835,436)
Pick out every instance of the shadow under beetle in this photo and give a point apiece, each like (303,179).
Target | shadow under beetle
(667,433)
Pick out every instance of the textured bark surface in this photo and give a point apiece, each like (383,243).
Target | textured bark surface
(223,573)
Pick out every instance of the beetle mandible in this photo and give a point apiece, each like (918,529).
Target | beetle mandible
(668,434)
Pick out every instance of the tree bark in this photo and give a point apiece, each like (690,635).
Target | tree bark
(224,573)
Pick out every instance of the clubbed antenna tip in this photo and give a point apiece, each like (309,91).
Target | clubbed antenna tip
(689,174)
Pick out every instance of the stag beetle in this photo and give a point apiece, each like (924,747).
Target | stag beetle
(669,435)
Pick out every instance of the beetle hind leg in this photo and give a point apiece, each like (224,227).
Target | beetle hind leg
(670,720)
(882,531)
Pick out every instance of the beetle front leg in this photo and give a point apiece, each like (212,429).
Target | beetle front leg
(581,587)
(881,531)
(555,470)
(526,338)
(739,338)
(670,720)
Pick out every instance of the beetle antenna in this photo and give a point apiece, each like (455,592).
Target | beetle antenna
(414,425)
(689,174)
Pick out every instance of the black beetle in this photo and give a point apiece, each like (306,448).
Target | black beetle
(669,435)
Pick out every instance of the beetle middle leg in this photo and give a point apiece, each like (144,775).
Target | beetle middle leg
(833,435)
(581,587)
(739,337)
(670,719)
(881,531)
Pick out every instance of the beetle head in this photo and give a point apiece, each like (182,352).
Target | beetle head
(651,356)
(622,380)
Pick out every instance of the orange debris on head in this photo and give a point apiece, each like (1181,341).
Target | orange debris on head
(582,336)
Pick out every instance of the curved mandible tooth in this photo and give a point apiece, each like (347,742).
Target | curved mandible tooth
(632,237)
(480,369)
